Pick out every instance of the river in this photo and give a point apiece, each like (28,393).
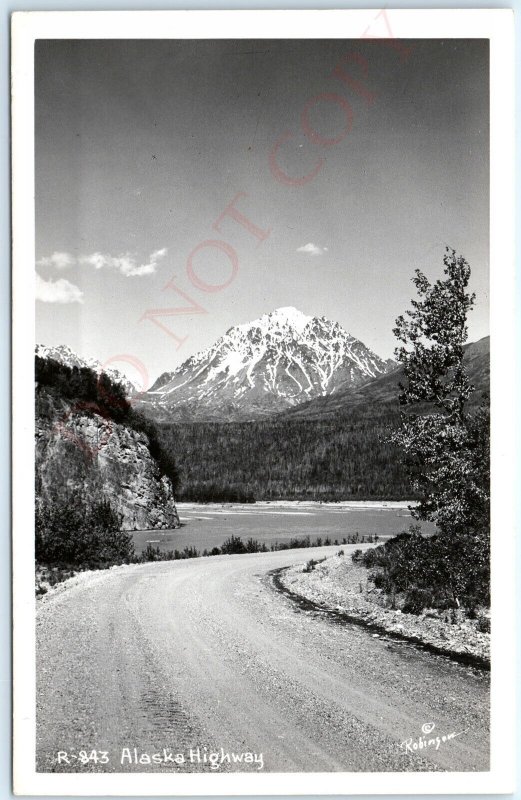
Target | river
(204,526)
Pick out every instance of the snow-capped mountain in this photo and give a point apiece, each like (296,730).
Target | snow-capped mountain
(262,367)
(64,355)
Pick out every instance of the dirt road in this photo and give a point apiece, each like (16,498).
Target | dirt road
(188,658)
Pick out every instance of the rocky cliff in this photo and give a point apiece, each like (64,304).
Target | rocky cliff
(80,451)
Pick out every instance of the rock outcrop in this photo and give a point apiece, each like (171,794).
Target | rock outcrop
(82,452)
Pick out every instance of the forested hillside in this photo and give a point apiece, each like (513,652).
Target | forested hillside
(343,458)
(331,448)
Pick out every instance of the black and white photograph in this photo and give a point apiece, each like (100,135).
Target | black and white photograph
(259,319)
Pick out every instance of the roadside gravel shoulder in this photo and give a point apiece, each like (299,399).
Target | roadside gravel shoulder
(80,580)
(341,587)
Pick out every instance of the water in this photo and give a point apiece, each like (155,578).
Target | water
(204,526)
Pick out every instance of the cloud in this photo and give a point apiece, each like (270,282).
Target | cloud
(60,291)
(126,264)
(58,260)
(312,249)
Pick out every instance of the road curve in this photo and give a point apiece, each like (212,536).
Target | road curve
(175,657)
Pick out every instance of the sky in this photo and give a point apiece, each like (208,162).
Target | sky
(353,163)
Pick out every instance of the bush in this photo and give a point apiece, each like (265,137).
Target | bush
(78,534)
(417,600)
(151,553)
(483,623)
(371,557)
(294,544)
(430,571)
(253,546)
(233,545)
(381,581)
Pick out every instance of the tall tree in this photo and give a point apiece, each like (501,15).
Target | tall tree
(445,449)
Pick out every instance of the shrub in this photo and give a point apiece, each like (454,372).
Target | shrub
(151,553)
(417,600)
(483,623)
(233,545)
(78,534)
(253,546)
(380,580)
(429,571)
(370,557)
(82,386)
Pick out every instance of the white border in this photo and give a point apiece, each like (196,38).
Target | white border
(496,25)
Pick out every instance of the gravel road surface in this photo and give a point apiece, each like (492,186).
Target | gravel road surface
(204,656)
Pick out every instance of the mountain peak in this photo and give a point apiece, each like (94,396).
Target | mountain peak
(258,368)
(286,316)
(290,314)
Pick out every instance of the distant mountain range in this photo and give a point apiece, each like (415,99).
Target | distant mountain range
(384,389)
(283,364)
(333,446)
(263,367)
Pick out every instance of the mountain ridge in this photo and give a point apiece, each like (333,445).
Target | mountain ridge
(384,389)
(262,367)
(63,354)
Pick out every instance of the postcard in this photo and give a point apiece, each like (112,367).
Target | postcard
(263,376)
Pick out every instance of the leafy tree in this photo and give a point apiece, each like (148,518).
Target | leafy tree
(446,449)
